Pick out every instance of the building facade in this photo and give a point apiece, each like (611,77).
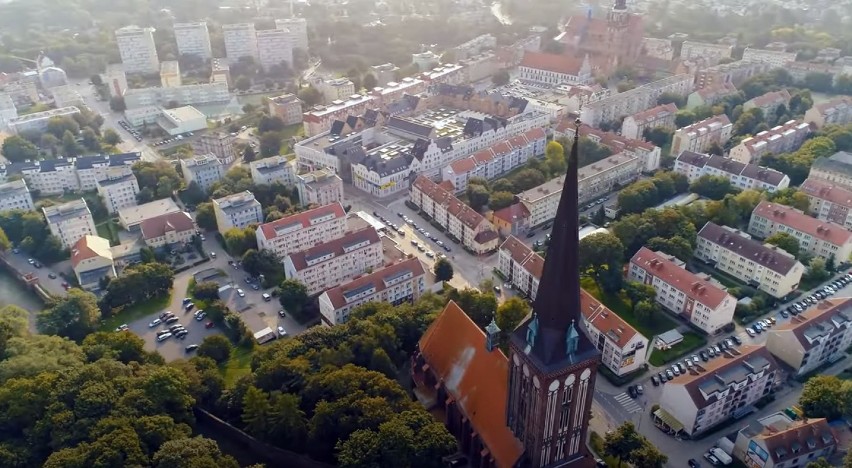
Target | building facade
(828,202)
(37,121)
(15,196)
(735,73)
(819,238)
(768,103)
(553,69)
(237,211)
(705,53)
(319,187)
(742,176)
(8,111)
(220,144)
(298,28)
(303,230)
(118,190)
(837,111)
(635,100)
(168,230)
(710,95)
(777,441)
(772,58)
(203,170)
(780,139)
(286,107)
(274,47)
(836,169)
(170,74)
(137,49)
(193,39)
(701,136)
(662,116)
(185,95)
(240,41)
(92,260)
(277,169)
(70,221)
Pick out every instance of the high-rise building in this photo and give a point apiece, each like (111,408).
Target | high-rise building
(273,47)
(137,49)
(298,28)
(240,41)
(193,39)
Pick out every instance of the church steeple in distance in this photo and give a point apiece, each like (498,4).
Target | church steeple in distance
(620,5)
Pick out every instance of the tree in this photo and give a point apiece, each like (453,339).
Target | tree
(123,347)
(239,241)
(111,137)
(249,154)
(676,245)
(17,149)
(207,291)
(667,98)
(74,316)
(310,96)
(500,200)
(370,81)
(5,244)
(659,136)
(243,83)
(69,144)
(555,157)
(255,412)
(477,196)
(137,284)
(216,347)
(716,148)
(826,396)
(264,264)
(622,442)
(819,82)
(479,306)
(645,311)
(638,292)
(510,313)
(194,452)
(819,463)
(58,126)
(600,258)
(712,187)
(193,194)
(90,140)
(270,124)
(785,242)
(684,118)
(648,456)
(293,296)
(528,178)
(117,104)
(270,144)
(160,178)
(817,270)
(205,216)
(443,270)
(500,78)
(748,122)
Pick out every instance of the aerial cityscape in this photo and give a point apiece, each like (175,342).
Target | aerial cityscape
(439,234)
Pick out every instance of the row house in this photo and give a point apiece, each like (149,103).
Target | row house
(765,266)
(662,116)
(836,169)
(769,102)
(447,73)
(828,202)
(460,221)
(398,283)
(382,177)
(552,69)
(699,137)
(799,71)
(56,176)
(819,238)
(335,261)
(319,119)
(784,442)
(710,95)
(303,230)
(773,58)
(648,153)
(635,100)
(779,139)
(742,176)
(837,111)
(704,304)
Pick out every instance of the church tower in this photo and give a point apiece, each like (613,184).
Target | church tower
(552,365)
(618,16)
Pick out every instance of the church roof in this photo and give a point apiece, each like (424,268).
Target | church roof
(556,63)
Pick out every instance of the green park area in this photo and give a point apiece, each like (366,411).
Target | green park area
(691,341)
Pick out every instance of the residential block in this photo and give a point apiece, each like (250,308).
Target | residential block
(302,230)
(819,238)
(237,211)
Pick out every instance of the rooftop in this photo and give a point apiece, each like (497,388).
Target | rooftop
(827,317)
(655,113)
(88,247)
(376,281)
(13,188)
(45,115)
(185,113)
(60,213)
(467,215)
(694,287)
(302,220)
(703,382)
(133,215)
(707,125)
(765,255)
(170,67)
(558,63)
(157,226)
(733,167)
(784,438)
(840,161)
(771,98)
(201,160)
(236,201)
(795,219)
(825,190)
(334,248)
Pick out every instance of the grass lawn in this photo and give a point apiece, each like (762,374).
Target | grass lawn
(136,312)
(727,281)
(690,342)
(108,230)
(238,365)
(621,306)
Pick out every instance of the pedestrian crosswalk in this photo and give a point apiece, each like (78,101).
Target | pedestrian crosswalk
(628,403)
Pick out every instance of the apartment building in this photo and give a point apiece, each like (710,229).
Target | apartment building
(8,111)
(65,96)
(648,154)
(718,390)
(496,160)
(286,107)
(219,144)
(735,73)
(425,60)
(274,47)
(118,190)
(701,136)
(240,41)
(705,53)
(298,28)
(90,169)
(448,73)
(779,139)
(185,95)
(837,111)
(820,335)
(836,169)
(381,177)
(635,100)
(765,266)
(92,260)
(70,221)
(663,116)
(318,119)
(773,58)
(237,211)
(137,49)
(168,230)
(337,89)
(170,74)
(384,73)
(658,48)
(553,69)
(15,195)
(769,103)
(319,187)
(460,221)
(132,217)
(193,39)
(828,202)
(48,176)
(204,170)
(278,169)
(335,261)
(743,176)
(115,79)
(773,441)
(819,238)
(398,283)
(37,121)
(220,72)
(710,95)
(303,230)
(704,304)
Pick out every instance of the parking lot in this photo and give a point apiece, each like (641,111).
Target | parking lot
(172,348)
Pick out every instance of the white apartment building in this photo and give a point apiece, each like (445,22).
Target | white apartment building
(55,176)
(15,196)
(186,95)
(118,190)
(459,220)
(90,169)
(773,58)
(734,73)
(398,283)
(170,74)
(274,46)
(769,268)
(70,221)
(663,116)
(220,71)
(37,121)
(132,217)
(448,73)
(828,202)
(278,169)
(8,111)
(193,39)
(240,41)
(203,170)
(742,176)
(700,136)
(237,211)
(817,336)
(168,230)
(303,230)
(318,119)
(220,144)
(337,89)
(704,304)
(819,238)
(836,169)
(319,187)
(384,73)
(335,261)
(837,111)
(783,442)
(635,100)
(425,60)
(298,28)
(706,53)
(725,387)
(769,102)
(381,177)
(553,69)
(779,139)
(137,49)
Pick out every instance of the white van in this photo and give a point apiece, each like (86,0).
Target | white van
(266,297)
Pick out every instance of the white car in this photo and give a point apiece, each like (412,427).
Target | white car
(155,323)
(200,316)
(164,337)
(750,332)
(241,293)
(282,331)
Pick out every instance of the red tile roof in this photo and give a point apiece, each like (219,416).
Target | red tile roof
(454,348)
(605,320)
(815,320)
(717,91)
(513,213)
(613,141)
(447,185)
(556,63)
(304,218)
(461,166)
(841,101)
(517,249)
(157,226)
(825,190)
(650,115)
(772,98)
(376,279)
(85,249)
(336,246)
(692,286)
(795,219)
(801,433)
(483,156)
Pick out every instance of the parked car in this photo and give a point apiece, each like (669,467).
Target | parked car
(172,319)
(693,463)
(640,389)
(669,374)
(655,380)
(51,275)
(281,331)
(750,332)
(164,336)
(241,293)
(662,377)
(154,323)
(189,307)
(785,314)
(631,390)
(737,340)
(281,313)
(191,348)
(209,325)
(704,356)
(200,316)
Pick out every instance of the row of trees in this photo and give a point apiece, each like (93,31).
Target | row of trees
(625,444)
(646,193)
(137,284)
(28,230)
(65,136)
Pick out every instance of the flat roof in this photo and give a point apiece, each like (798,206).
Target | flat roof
(133,215)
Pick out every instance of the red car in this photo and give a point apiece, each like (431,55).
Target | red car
(209,325)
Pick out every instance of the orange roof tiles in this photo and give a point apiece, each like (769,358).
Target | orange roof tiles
(695,288)
(556,63)
(772,97)
(377,279)
(655,113)
(512,213)
(460,166)
(338,247)
(815,319)
(605,320)
(157,226)
(795,219)
(304,218)
(825,190)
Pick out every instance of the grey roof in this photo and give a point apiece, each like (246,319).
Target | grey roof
(736,373)
(751,249)
(763,174)
(236,201)
(337,127)
(444,143)
(14,187)
(692,158)
(59,213)
(408,126)
(731,166)
(121,159)
(45,165)
(371,116)
(726,164)
(116,180)
(840,161)
(386,167)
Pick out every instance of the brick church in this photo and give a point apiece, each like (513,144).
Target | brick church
(532,408)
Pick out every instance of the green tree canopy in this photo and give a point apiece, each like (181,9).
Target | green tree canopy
(443,270)
(785,242)
(17,149)
(73,316)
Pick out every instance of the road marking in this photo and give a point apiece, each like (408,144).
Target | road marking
(628,403)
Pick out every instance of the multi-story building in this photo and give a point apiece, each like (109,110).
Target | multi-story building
(461,222)
(837,111)
(662,116)
(554,69)
(779,139)
(90,169)
(819,238)
(237,211)
(137,49)
(37,121)
(303,230)
(704,304)
(769,102)
(48,176)
(425,60)
(735,73)
(765,266)
(742,176)
(658,48)
(132,217)
(168,230)
(710,95)
(118,189)
(448,73)
(220,71)
(335,261)
(701,136)
(274,47)
(8,111)
(182,120)
(384,73)
(298,28)
(240,41)
(648,154)
(319,187)
(15,195)
(715,391)
(92,260)
(397,283)
(70,221)
(319,119)
(799,71)
(836,169)
(774,441)
(820,335)
(170,74)
(286,107)
(65,96)
(773,58)
(635,100)
(219,144)
(185,95)
(193,39)
(24,92)
(379,176)
(337,89)
(828,202)
(279,169)
(203,170)
(116,79)
(706,53)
